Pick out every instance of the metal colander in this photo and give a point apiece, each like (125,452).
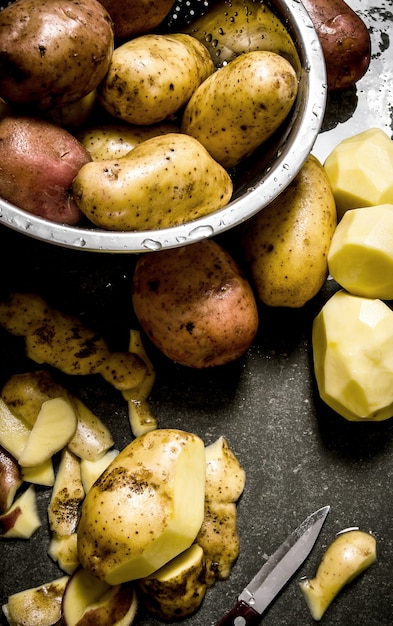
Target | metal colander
(257,181)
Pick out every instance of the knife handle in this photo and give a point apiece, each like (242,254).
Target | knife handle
(240,615)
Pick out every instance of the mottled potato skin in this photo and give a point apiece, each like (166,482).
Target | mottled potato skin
(345,41)
(136,17)
(54,51)
(165,181)
(233,27)
(286,244)
(152,76)
(38,162)
(241,105)
(194,304)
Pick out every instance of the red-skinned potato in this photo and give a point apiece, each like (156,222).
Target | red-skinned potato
(38,162)
(344,39)
(136,17)
(194,304)
(54,51)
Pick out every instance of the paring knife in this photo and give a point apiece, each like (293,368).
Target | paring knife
(275,573)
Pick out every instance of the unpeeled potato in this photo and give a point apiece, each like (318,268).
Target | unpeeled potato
(195,304)
(286,244)
(38,162)
(136,17)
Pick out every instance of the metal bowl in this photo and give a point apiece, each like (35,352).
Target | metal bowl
(258,180)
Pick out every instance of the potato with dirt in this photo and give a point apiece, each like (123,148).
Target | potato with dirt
(241,105)
(152,76)
(136,17)
(345,41)
(165,181)
(286,244)
(194,304)
(53,52)
(38,162)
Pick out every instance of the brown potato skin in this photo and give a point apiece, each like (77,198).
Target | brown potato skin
(194,304)
(38,162)
(53,52)
(136,17)
(344,39)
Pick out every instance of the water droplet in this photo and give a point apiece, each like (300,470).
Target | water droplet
(151,244)
(201,231)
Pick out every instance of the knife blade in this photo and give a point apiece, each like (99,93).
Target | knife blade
(276,572)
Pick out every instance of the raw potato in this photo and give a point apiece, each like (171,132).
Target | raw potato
(38,162)
(348,555)
(67,496)
(218,535)
(232,27)
(64,551)
(146,507)
(25,393)
(194,304)
(360,257)
(241,105)
(21,520)
(113,141)
(286,244)
(136,17)
(62,341)
(359,169)
(91,470)
(165,181)
(88,601)
(37,606)
(177,589)
(352,341)
(152,76)
(74,114)
(53,52)
(54,427)
(345,41)
(10,479)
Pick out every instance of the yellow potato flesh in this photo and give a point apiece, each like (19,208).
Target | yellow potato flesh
(352,340)
(360,170)
(347,556)
(360,257)
(146,508)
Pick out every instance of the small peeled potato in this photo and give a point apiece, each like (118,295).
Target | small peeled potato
(348,555)
(352,341)
(152,76)
(146,507)
(286,244)
(360,256)
(359,169)
(241,105)
(165,181)
(194,304)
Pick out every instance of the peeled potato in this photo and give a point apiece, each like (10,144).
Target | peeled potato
(145,509)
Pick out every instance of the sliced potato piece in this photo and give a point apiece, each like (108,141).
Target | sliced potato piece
(177,589)
(348,555)
(140,414)
(10,479)
(22,519)
(64,551)
(55,425)
(42,474)
(91,470)
(67,495)
(225,477)
(14,433)
(37,606)
(88,600)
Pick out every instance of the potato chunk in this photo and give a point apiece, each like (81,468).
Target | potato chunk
(360,257)
(146,508)
(352,340)
(360,170)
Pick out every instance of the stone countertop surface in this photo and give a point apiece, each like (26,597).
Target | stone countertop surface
(298,455)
